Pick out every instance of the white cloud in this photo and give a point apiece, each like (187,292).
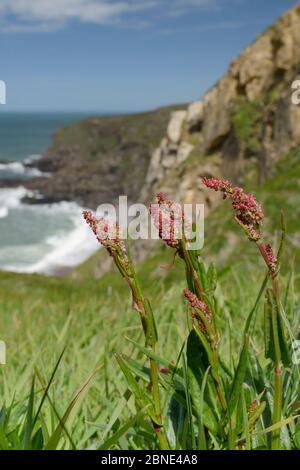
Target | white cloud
(49,15)
(194,3)
(181,7)
(215,26)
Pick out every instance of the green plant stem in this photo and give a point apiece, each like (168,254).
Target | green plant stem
(190,267)
(218,382)
(277,408)
(163,443)
(140,306)
(212,334)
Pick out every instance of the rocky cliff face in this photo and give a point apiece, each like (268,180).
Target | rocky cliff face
(242,125)
(97,159)
(237,130)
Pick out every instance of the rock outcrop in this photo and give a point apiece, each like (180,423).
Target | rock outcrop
(242,125)
(95,160)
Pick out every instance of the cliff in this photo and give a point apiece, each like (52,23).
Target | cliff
(239,129)
(95,160)
(242,126)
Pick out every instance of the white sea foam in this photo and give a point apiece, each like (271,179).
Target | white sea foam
(19,168)
(68,250)
(70,244)
(11,198)
(32,158)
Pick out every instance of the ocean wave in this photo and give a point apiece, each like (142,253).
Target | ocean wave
(70,245)
(11,198)
(19,168)
(68,250)
(32,158)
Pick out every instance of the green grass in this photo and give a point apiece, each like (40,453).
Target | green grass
(102,135)
(41,316)
(246,118)
(92,319)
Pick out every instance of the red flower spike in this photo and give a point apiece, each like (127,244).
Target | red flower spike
(246,208)
(271,259)
(196,303)
(107,233)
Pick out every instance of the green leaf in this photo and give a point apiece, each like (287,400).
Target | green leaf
(212,277)
(55,413)
(142,399)
(275,331)
(286,356)
(201,431)
(200,267)
(196,355)
(255,307)
(278,425)
(297,435)
(256,414)
(283,236)
(189,408)
(176,419)
(250,422)
(4,442)
(48,386)
(38,440)
(137,368)
(151,331)
(55,437)
(123,430)
(238,379)
(198,367)
(268,331)
(209,352)
(151,355)
(131,381)
(189,279)
(246,426)
(29,421)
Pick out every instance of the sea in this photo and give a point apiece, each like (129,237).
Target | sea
(41,238)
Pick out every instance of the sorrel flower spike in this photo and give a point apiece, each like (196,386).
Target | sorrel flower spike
(247,210)
(270,258)
(168,219)
(249,214)
(196,303)
(218,184)
(200,311)
(108,235)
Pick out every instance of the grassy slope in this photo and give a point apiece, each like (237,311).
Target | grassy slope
(40,315)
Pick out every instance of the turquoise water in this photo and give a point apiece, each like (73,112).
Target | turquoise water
(25,134)
(43,238)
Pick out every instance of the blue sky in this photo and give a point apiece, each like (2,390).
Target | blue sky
(122,55)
